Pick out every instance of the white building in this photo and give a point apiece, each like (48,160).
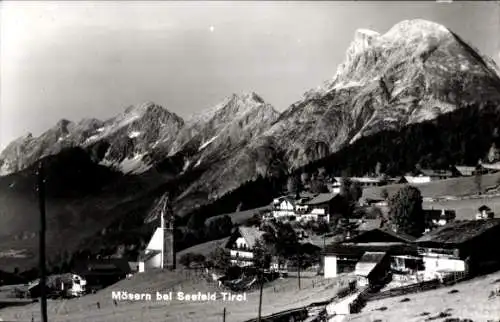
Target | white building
(159,252)
(484,212)
(241,245)
(283,207)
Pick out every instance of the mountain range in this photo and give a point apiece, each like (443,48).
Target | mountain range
(413,73)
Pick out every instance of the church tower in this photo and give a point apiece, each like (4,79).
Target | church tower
(167,225)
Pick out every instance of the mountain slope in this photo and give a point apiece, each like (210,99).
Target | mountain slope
(119,142)
(415,72)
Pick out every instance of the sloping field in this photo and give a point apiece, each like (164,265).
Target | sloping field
(241,217)
(470,302)
(278,296)
(463,186)
(205,249)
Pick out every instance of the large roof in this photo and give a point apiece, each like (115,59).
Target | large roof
(251,235)
(459,232)
(322,198)
(368,262)
(357,250)
(382,234)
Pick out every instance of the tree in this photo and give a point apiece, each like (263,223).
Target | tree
(293,185)
(384,194)
(219,227)
(305,178)
(493,153)
(220,258)
(318,186)
(405,211)
(378,169)
(478,180)
(196,221)
(261,255)
(255,220)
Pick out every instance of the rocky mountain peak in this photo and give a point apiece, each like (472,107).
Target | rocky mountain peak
(408,30)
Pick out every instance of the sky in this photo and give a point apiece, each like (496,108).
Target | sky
(82,59)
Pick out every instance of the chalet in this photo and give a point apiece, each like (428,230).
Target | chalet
(322,206)
(461,246)
(484,212)
(343,257)
(241,245)
(464,171)
(438,217)
(283,207)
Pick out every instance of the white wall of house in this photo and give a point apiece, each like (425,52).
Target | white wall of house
(417,180)
(241,242)
(318,211)
(241,254)
(435,264)
(330,266)
(142,267)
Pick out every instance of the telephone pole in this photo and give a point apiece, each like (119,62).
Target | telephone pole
(41,203)
(260,295)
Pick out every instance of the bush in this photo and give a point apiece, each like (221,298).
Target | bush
(190,258)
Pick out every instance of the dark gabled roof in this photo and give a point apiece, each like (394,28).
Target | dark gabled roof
(322,198)
(250,234)
(374,235)
(484,208)
(357,250)
(459,232)
(433,173)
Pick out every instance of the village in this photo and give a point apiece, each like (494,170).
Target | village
(325,229)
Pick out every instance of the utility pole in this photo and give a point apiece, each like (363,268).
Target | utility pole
(41,202)
(260,295)
(224,315)
(298,264)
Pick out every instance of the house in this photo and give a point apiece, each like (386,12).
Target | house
(464,171)
(241,245)
(490,167)
(284,207)
(334,186)
(323,205)
(438,217)
(342,257)
(368,181)
(484,212)
(428,175)
(461,246)
(159,252)
(100,273)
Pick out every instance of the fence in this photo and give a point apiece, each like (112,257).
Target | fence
(419,287)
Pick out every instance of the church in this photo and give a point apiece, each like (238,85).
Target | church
(159,252)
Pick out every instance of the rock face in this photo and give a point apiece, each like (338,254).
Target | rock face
(414,72)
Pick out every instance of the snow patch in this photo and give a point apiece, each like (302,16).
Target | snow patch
(133,165)
(100,129)
(204,145)
(134,134)
(198,163)
(347,85)
(186,165)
